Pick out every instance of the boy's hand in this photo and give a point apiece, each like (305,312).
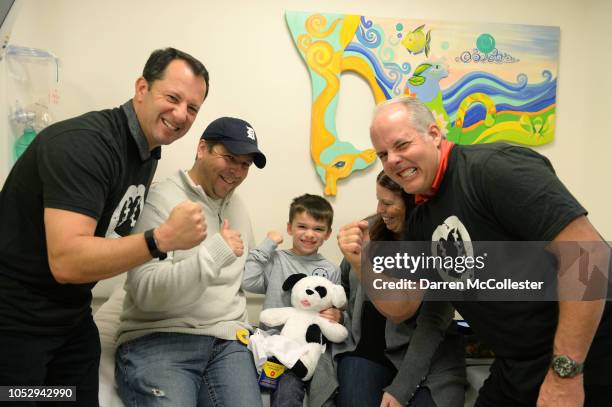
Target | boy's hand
(232,238)
(332,314)
(276,237)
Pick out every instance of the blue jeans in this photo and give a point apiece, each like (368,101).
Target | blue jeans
(291,391)
(362,382)
(173,369)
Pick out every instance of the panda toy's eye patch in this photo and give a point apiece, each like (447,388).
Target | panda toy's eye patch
(321,290)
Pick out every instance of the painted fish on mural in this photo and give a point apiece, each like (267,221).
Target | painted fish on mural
(417,41)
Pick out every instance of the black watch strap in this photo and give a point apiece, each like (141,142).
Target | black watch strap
(150,239)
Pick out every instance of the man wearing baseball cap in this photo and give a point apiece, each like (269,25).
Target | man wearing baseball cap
(184,312)
(237,136)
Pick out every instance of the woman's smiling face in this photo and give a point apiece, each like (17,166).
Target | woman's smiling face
(391,208)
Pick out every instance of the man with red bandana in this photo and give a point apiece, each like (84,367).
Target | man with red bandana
(66,213)
(549,353)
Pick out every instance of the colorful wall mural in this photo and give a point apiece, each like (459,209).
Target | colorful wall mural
(483,82)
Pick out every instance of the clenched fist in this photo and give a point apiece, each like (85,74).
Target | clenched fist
(350,240)
(276,237)
(232,238)
(185,228)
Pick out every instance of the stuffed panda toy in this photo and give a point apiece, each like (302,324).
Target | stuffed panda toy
(302,322)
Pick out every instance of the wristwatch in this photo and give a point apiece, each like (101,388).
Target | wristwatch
(152,245)
(565,367)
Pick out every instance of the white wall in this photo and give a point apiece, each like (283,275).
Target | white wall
(6,154)
(256,73)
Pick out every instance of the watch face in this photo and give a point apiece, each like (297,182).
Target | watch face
(564,366)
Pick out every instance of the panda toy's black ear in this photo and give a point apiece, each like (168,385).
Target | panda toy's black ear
(292,280)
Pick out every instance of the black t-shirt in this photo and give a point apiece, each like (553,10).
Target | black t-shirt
(91,165)
(498,192)
(372,343)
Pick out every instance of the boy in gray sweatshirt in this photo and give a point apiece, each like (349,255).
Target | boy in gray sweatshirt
(266,268)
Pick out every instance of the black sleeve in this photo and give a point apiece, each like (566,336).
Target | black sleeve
(526,196)
(77,169)
(345,273)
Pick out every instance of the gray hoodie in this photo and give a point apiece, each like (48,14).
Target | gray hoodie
(194,291)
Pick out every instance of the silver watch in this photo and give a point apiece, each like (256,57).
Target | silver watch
(565,367)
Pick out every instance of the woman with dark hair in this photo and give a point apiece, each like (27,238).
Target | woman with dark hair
(391,213)
(418,362)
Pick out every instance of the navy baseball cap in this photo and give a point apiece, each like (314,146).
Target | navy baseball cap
(237,136)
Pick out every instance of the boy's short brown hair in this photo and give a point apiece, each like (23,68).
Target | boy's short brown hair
(314,205)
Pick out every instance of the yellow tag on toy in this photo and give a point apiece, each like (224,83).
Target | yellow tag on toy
(270,373)
(243,336)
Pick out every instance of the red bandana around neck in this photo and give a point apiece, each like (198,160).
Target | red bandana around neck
(445,149)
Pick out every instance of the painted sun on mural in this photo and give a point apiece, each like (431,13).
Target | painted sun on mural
(483,82)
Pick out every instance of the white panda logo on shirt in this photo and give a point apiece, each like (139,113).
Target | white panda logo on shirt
(321,272)
(451,239)
(127,212)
